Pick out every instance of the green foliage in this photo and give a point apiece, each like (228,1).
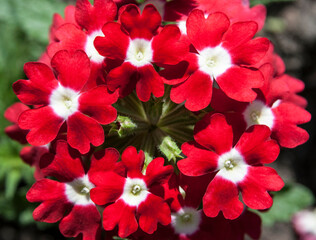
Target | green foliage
(24,27)
(118,238)
(266,2)
(291,199)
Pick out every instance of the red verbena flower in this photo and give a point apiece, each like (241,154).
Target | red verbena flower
(62,101)
(239,167)
(139,47)
(132,198)
(223,53)
(67,200)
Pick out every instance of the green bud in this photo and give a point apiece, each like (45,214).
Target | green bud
(170,149)
(123,127)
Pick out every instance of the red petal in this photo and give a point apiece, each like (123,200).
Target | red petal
(222,195)
(157,173)
(149,82)
(239,33)
(43,124)
(238,83)
(68,37)
(287,116)
(140,25)
(251,52)
(109,187)
(51,211)
(167,48)
(121,214)
(65,165)
(133,161)
(96,103)
(13,112)
(46,190)
(255,147)
(103,160)
(199,161)
(37,89)
(289,112)
(289,135)
(73,69)
(196,91)
(152,211)
(16,133)
(54,205)
(195,188)
(93,17)
(123,78)
(206,32)
(213,132)
(81,219)
(114,48)
(254,187)
(83,130)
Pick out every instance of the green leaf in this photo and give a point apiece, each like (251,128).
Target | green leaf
(11,183)
(118,238)
(292,198)
(35,17)
(266,2)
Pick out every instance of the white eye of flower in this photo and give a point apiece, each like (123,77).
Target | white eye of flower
(214,61)
(89,48)
(139,52)
(258,113)
(231,166)
(186,221)
(135,191)
(64,101)
(78,191)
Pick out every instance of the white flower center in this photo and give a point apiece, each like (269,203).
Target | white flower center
(214,61)
(90,50)
(258,113)
(186,221)
(135,191)
(78,191)
(64,101)
(231,166)
(139,52)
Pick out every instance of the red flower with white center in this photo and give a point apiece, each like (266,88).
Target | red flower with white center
(137,47)
(62,100)
(80,36)
(131,199)
(225,54)
(14,131)
(239,167)
(236,10)
(68,199)
(276,107)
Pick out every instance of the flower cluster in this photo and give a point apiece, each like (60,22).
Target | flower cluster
(122,85)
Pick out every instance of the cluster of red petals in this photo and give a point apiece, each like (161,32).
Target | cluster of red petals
(223,52)
(139,46)
(60,99)
(239,166)
(104,51)
(66,200)
(125,208)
